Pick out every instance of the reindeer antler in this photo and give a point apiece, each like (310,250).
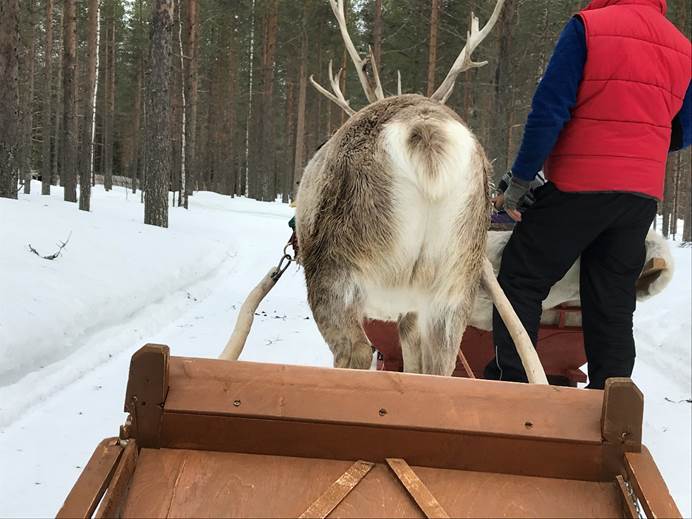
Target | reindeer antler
(464,61)
(373,94)
(338,96)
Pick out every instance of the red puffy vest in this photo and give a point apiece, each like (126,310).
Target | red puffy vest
(636,74)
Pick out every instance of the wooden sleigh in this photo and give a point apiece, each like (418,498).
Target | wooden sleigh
(213,438)
(560,345)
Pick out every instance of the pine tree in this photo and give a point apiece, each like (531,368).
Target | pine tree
(191,97)
(27,112)
(9,98)
(69,82)
(47,108)
(158,130)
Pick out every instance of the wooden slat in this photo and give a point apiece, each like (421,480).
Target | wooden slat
(627,504)
(383,399)
(419,492)
(648,484)
(147,386)
(91,484)
(112,503)
(501,454)
(623,413)
(154,484)
(327,502)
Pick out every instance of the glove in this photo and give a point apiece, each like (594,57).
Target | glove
(515,191)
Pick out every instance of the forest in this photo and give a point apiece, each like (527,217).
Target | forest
(172,97)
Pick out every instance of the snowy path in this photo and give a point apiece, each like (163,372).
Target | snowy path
(52,418)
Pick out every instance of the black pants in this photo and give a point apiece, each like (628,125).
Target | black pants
(608,231)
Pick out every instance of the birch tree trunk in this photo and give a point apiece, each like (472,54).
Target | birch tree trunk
(92,140)
(432,46)
(87,150)
(191,87)
(138,173)
(289,133)
(183,112)
(344,65)
(58,148)
(266,151)
(300,122)
(137,124)
(245,181)
(109,119)
(677,169)
(377,34)
(9,98)
(69,81)
(229,167)
(499,124)
(27,110)
(158,132)
(47,98)
(668,195)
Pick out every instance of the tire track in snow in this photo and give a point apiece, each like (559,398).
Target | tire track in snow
(102,342)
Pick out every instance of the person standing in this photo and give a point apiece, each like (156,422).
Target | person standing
(614,100)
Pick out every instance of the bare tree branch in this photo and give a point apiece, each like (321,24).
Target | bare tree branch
(61,246)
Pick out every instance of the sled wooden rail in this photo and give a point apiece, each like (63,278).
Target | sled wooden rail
(206,437)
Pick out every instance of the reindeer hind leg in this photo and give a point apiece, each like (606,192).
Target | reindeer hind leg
(441,339)
(410,338)
(340,323)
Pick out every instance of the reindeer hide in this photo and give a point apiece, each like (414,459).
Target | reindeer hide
(566,291)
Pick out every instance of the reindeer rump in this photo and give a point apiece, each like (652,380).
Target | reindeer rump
(391,222)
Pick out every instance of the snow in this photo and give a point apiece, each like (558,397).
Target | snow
(68,327)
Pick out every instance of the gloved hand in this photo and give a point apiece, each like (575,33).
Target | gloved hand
(515,191)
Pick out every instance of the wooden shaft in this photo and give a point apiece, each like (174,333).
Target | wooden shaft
(522,341)
(466,364)
(236,343)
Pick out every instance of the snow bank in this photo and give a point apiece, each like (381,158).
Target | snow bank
(112,268)
(663,373)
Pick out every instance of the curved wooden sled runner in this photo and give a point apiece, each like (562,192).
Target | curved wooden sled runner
(214,438)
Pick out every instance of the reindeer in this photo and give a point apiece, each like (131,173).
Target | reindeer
(392,216)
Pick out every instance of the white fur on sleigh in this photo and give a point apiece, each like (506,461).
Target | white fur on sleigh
(566,291)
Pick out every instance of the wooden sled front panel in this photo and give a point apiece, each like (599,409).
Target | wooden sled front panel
(213,438)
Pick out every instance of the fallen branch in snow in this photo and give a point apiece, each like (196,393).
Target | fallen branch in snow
(61,246)
(684,400)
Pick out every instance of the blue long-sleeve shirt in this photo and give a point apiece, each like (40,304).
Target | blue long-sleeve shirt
(556,96)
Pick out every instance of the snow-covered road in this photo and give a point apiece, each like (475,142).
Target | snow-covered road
(121,284)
